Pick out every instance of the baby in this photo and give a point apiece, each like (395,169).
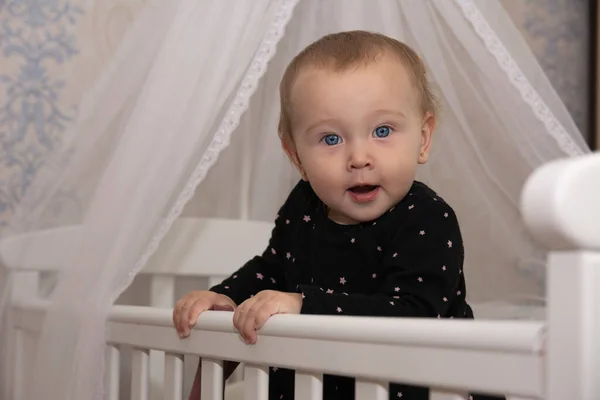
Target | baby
(357,235)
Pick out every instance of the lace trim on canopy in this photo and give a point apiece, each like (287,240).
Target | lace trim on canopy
(517,78)
(222,137)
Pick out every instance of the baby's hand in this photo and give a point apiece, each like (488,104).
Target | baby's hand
(190,306)
(252,314)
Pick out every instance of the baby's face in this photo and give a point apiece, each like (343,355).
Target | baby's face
(359,135)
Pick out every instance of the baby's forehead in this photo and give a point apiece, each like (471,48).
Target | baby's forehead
(351,100)
(390,67)
(332,65)
(382,77)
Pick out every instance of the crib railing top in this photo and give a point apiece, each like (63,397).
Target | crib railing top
(486,356)
(507,336)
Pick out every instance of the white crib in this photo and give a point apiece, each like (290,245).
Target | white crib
(556,359)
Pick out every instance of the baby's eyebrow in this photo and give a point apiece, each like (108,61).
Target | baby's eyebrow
(319,122)
(384,111)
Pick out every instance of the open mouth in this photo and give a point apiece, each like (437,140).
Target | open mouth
(362,189)
(364,194)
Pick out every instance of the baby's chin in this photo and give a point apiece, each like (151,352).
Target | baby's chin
(343,217)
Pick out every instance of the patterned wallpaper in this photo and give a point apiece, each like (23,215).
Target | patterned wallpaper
(35,37)
(49,51)
(49,48)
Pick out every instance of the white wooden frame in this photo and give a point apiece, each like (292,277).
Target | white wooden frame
(187,251)
(484,356)
(555,360)
(596,129)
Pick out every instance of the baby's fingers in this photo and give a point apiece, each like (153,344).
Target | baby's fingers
(256,318)
(189,315)
(178,311)
(198,307)
(240,313)
(264,313)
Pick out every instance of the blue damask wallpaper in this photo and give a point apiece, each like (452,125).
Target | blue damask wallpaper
(36,37)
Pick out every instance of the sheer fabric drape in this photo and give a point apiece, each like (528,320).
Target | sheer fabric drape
(183,120)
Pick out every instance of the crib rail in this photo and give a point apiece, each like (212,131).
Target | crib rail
(496,357)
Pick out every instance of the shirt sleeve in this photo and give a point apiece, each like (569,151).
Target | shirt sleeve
(423,276)
(263,272)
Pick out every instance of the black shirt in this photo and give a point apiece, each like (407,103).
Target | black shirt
(407,263)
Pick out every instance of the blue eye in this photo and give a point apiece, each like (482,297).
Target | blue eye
(332,140)
(382,131)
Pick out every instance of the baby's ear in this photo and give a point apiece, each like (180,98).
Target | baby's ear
(290,151)
(427,129)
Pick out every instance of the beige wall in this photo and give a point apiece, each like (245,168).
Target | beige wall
(558,33)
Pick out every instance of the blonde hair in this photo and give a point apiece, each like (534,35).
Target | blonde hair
(340,51)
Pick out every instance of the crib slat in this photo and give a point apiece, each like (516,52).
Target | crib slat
(212,379)
(308,386)
(440,395)
(256,382)
(367,390)
(140,361)
(173,382)
(21,365)
(112,370)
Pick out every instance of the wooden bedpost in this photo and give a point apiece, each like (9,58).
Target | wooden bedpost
(561,207)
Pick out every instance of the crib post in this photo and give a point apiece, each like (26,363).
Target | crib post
(573,348)
(25,284)
(561,207)
(162,294)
